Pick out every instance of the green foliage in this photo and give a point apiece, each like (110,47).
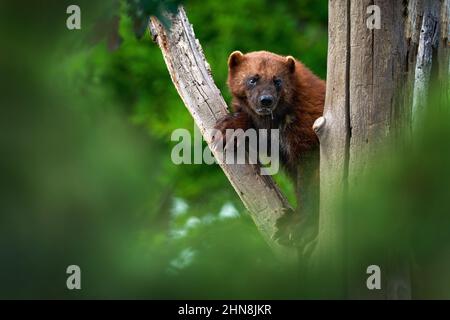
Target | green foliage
(87,176)
(86,173)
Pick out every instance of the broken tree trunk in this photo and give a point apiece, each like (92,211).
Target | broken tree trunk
(428,44)
(192,78)
(371,77)
(333,132)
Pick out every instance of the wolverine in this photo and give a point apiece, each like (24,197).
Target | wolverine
(270,91)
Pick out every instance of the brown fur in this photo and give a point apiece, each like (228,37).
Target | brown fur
(300,101)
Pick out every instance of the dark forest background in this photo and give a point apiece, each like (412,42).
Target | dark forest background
(87,178)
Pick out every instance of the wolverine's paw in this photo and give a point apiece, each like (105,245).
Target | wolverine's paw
(218,139)
(295,231)
(225,133)
(286,229)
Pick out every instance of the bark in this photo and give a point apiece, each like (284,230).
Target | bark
(377,82)
(192,78)
(428,43)
(444,51)
(334,134)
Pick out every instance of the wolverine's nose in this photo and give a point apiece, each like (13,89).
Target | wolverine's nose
(266,101)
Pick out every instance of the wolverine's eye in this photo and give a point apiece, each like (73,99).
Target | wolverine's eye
(277,83)
(252,81)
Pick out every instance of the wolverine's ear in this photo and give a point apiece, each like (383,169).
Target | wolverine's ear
(235,58)
(290,63)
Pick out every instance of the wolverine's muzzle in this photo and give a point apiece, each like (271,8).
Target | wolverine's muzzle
(266,105)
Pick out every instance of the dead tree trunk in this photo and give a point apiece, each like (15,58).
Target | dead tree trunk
(428,44)
(192,78)
(372,75)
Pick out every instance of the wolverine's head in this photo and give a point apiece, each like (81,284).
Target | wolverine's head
(261,80)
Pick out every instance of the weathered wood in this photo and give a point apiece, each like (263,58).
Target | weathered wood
(372,75)
(192,78)
(429,41)
(367,73)
(444,51)
(413,23)
(334,134)
(414,14)
(377,85)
